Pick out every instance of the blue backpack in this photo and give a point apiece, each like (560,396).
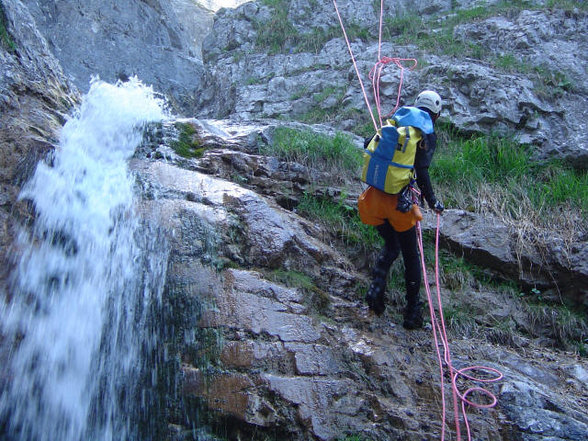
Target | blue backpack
(388,160)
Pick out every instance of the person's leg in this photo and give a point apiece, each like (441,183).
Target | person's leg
(377,290)
(413,314)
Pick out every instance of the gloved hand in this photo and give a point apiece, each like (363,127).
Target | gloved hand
(438,207)
(367,140)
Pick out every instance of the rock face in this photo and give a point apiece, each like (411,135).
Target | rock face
(499,73)
(532,98)
(34,100)
(288,363)
(158,41)
(490,243)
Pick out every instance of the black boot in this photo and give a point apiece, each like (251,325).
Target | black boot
(377,291)
(413,314)
(375,295)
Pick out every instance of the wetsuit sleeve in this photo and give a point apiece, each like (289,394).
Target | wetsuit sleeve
(367,140)
(423,158)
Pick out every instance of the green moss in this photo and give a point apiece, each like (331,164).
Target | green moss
(188,145)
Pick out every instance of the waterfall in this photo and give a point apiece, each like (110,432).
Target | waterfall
(88,277)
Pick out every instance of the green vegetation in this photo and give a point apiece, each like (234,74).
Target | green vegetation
(278,34)
(5,38)
(188,144)
(496,174)
(323,115)
(437,35)
(548,83)
(315,149)
(411,29)
(567,5)
(341,220)
(314,298)
(534,315)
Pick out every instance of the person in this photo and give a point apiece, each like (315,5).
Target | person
(397,224)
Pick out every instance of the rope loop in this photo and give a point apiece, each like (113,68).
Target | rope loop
(440,339)
(376,73)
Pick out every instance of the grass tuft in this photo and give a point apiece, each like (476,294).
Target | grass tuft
(314,149)
(341,220)
(496,174)
(5,38)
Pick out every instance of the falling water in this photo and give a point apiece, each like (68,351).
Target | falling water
(88,275)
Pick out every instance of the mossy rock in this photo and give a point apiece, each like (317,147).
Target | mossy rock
(188,144)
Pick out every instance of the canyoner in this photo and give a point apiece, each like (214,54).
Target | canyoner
(396,157)
(389,155)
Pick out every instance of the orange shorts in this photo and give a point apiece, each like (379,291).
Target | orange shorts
(375,207)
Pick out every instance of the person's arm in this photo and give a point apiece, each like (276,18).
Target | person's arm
(423,159)
(367,140)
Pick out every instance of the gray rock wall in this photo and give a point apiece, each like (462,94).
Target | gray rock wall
(158,41)
(34,100)
(541,97)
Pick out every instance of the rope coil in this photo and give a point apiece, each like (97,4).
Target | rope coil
(440,334)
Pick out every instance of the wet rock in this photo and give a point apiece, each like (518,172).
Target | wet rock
(278,365)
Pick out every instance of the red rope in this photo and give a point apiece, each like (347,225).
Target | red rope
(367,102)
(440,334)
(375,73)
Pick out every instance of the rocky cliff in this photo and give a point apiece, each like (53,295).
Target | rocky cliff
(35,97)
(158,41)
(494,65)
(278,343)
(265,330)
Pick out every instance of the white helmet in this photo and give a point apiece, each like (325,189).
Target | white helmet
(429,100)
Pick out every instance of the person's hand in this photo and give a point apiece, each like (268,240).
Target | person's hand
(438,207)
(367,141)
